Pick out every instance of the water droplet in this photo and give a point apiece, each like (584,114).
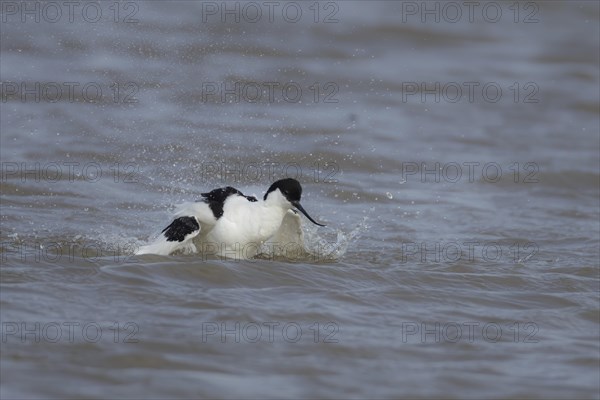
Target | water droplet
(389,195)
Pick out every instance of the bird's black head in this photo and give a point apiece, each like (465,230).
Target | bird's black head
(289,188)
(292,191)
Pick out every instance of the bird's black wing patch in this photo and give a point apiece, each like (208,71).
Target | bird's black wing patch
(216,199)
(219,195)
(180,228)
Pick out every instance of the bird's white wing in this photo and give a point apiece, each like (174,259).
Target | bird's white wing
(177,236)
(199,209)
(288,242)
(189,220)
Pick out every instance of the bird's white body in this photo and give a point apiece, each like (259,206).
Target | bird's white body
(244,227)
(237,229)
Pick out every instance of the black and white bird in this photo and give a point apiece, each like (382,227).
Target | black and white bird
(231,224)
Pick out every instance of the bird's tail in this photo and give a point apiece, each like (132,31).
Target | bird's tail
(177,236)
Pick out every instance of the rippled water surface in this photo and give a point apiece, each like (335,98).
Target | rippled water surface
(454,157)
